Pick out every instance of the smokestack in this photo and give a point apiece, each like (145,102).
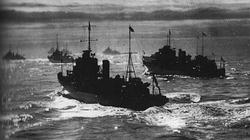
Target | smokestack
(105,69)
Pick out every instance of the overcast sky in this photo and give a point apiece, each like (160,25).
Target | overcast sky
(119,5)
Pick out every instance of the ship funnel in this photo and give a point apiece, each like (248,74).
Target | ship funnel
(105,69)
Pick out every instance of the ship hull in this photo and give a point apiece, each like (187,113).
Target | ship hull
(138,105)
(13,58)
(160,71)
(184,70)
(109,98)
(85,97)
(75,93)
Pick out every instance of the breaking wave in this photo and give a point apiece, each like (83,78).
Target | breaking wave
(202,117)
(184,113)
(69,108)
(37,60)
(183,97)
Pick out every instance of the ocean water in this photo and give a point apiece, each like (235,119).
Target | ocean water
(198,108)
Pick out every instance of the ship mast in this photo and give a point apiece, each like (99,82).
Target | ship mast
(130,67)
(57,44)
(89,38)
(202,47)
(89,29)
(169,37)
(203,34)
(197,45)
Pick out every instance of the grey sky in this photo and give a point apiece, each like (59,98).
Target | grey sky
(97,6)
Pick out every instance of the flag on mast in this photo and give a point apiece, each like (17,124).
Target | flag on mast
(204,34)
(131,29)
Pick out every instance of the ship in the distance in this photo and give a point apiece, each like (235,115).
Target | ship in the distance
(89,82)
(166,62)
(10,55)
(109,51)
(60,56)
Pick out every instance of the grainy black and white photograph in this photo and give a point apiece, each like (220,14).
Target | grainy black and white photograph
(125,69)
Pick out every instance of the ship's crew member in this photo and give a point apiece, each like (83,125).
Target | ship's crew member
(156,83)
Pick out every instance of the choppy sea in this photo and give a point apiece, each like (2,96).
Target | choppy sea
(198,109)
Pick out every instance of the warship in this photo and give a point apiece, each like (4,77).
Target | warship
(89,82)
(10,55)
(59,56)
(166,62)
(109,51)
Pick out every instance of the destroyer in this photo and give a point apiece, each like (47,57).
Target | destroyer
(165,62)
(109,51)
(10,55)
(58,56)
(90,83)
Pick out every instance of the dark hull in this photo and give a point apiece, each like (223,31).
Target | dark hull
(160,71)
(19,57)
(107,98)
(80,96)
(185,70)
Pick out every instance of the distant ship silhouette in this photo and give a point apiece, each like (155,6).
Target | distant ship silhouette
(90,83)
(58,56)
(165,62)
(10,55)
(109,51)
